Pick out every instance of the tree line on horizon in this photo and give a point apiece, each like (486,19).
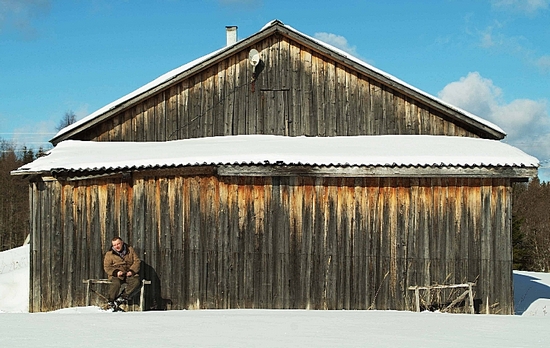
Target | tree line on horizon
(14,194)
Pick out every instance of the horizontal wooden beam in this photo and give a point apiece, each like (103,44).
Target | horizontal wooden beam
(389,172)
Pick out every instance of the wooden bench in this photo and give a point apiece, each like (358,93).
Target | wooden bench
(89,290)
(467,293)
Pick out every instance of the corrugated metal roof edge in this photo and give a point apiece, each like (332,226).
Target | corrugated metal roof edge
(57,171)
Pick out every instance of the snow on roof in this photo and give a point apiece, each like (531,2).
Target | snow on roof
(380,150)
(175,72)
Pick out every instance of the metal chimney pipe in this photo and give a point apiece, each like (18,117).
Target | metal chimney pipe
(231,33)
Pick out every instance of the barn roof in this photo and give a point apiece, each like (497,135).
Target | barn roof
(192,67)
(389,151)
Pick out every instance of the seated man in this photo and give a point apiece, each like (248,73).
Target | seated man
(121,264)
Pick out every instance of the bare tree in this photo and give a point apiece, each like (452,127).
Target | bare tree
(67,119)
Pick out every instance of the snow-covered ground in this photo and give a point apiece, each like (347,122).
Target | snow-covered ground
(91,327)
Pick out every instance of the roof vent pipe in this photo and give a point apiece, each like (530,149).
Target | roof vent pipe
(231,33)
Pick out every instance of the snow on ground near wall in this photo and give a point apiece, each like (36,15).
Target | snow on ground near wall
(532,293)
(92,327)
(14,280)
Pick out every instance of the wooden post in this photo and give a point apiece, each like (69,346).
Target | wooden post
(470,293)
(142,294)
(88,285)
(417,298)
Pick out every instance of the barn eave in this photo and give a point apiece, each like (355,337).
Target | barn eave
(518,173)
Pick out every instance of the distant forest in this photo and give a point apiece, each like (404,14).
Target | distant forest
(530,211)
(14,195)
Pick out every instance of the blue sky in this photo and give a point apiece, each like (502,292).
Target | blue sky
(490,57)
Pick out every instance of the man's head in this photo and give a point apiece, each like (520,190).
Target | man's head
(117,243)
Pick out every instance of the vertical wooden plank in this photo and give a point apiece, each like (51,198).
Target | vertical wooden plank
(340,101)
(330,110)
(319,274)
(306,92)
(267,246)
(357,246)
(234,235)
(35,247)
(349,260)
(353,119)
(507,271)
(194,126)
(207,103)
(139,124)
(487,252)
(172,125)
(223,244)
(183,110)
(435,234)
(195,261)
(414,251)
(389,111)
(253,95)
(68,248)
(373,257)
(165,222)
(425,228)
(359,112)
(219,99)
(229,100)
(185,296)
(282,247)
(400,120)
(46,244)
(308,231)
(242,215)
(297,93)
(97,225)
(377,120)
(317,113)
(57,277)
(403,219)
(259,214)
(332,236)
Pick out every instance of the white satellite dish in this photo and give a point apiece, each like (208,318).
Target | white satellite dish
(254,57)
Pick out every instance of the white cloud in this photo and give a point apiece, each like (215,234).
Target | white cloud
(526,121)
(337,41)
(543,63)
(492,39)
(341,42)
(528,7)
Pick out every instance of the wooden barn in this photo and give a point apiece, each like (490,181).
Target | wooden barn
(279,172)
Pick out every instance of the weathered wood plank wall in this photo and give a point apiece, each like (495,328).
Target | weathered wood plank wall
(276,242)
(298,92)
